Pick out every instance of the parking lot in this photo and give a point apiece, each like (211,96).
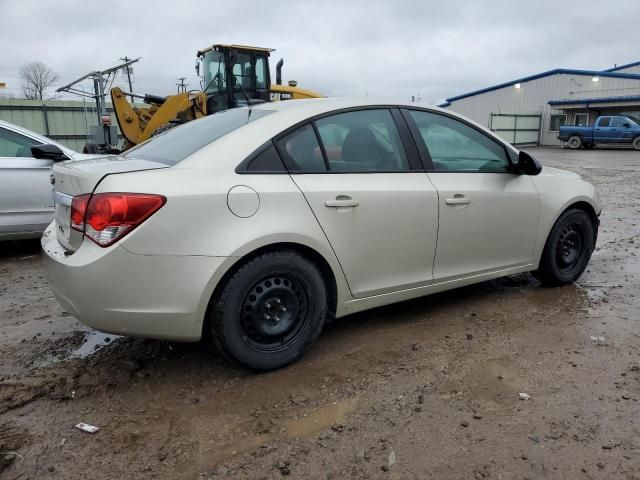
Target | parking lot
(428,388)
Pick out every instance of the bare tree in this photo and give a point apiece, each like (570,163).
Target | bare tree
(36,78)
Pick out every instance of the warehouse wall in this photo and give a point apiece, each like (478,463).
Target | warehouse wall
(532,98)
(67,122)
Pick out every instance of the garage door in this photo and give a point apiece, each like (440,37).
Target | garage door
(517,129)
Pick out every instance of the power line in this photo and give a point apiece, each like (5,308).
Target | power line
(182,87)
(128,70)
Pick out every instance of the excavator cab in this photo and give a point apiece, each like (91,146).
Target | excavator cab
(234,76)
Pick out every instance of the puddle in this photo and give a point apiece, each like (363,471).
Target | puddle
(211,454)
(495,380)
(93,342)
(321,418)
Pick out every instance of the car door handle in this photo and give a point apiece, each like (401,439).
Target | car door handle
(342,201)
(458,200)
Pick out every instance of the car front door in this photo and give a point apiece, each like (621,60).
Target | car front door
(621,127)
(361,176)
(488,216)
(602,130)
(26,204)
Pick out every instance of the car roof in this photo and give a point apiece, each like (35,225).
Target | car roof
(313,106)
(285,114)
(294,111)
(34,135)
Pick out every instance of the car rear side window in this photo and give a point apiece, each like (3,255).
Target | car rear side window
(265,160)
(457,147)
(604,122)
(362,141)
(301,150)
(178,143)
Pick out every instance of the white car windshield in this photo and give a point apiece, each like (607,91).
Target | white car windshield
(178,143)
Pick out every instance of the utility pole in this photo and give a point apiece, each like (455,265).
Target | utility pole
(128,68)
(182,87)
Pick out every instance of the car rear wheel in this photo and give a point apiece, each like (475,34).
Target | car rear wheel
(269,311)
(568,249)
(574,142)
(636,143)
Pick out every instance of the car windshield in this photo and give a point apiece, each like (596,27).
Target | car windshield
(634,120)
(178,143)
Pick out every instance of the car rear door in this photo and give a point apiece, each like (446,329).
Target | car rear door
(26,202)
(602,130)
(359,171)
(488,216)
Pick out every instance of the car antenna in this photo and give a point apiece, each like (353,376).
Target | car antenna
(250,101)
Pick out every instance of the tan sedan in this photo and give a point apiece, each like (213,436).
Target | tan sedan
(252,228)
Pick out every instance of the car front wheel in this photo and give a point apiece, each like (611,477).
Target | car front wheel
(568,249)
(636,143)
(269,311)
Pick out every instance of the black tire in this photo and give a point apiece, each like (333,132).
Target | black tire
(568,249)
(163,128)
(636,143)
(269,311)
(574,142)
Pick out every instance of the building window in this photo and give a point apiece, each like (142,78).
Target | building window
(557,121)
(581,119)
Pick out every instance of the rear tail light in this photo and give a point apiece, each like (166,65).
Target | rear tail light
(78,209)
(107,217)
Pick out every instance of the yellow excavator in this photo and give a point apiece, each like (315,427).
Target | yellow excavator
(232,76)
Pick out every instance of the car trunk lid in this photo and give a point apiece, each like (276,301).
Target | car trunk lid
(78,177)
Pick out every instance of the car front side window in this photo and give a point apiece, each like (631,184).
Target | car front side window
(456,147)
(13,144)
(619,122)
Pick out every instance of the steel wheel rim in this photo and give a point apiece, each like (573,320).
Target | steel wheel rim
(570,247)
(274,312)
(574,142)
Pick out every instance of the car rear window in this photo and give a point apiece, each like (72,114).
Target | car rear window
(176,144)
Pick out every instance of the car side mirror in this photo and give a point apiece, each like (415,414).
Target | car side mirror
(528,165)
(626,125)
(48,152)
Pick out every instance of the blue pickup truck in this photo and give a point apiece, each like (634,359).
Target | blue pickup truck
(606,129)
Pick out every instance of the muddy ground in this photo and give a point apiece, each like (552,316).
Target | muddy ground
(423,389)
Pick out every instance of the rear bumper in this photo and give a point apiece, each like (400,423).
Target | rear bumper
(116,291)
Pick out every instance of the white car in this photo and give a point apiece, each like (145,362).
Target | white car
(26,202)
(252,228)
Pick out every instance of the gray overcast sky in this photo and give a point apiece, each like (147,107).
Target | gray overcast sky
(432,48)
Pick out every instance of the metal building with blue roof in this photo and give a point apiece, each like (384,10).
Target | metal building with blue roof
(530,110)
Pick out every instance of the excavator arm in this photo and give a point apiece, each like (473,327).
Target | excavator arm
(138,124)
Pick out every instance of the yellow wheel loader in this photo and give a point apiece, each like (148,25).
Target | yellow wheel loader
(232,76)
